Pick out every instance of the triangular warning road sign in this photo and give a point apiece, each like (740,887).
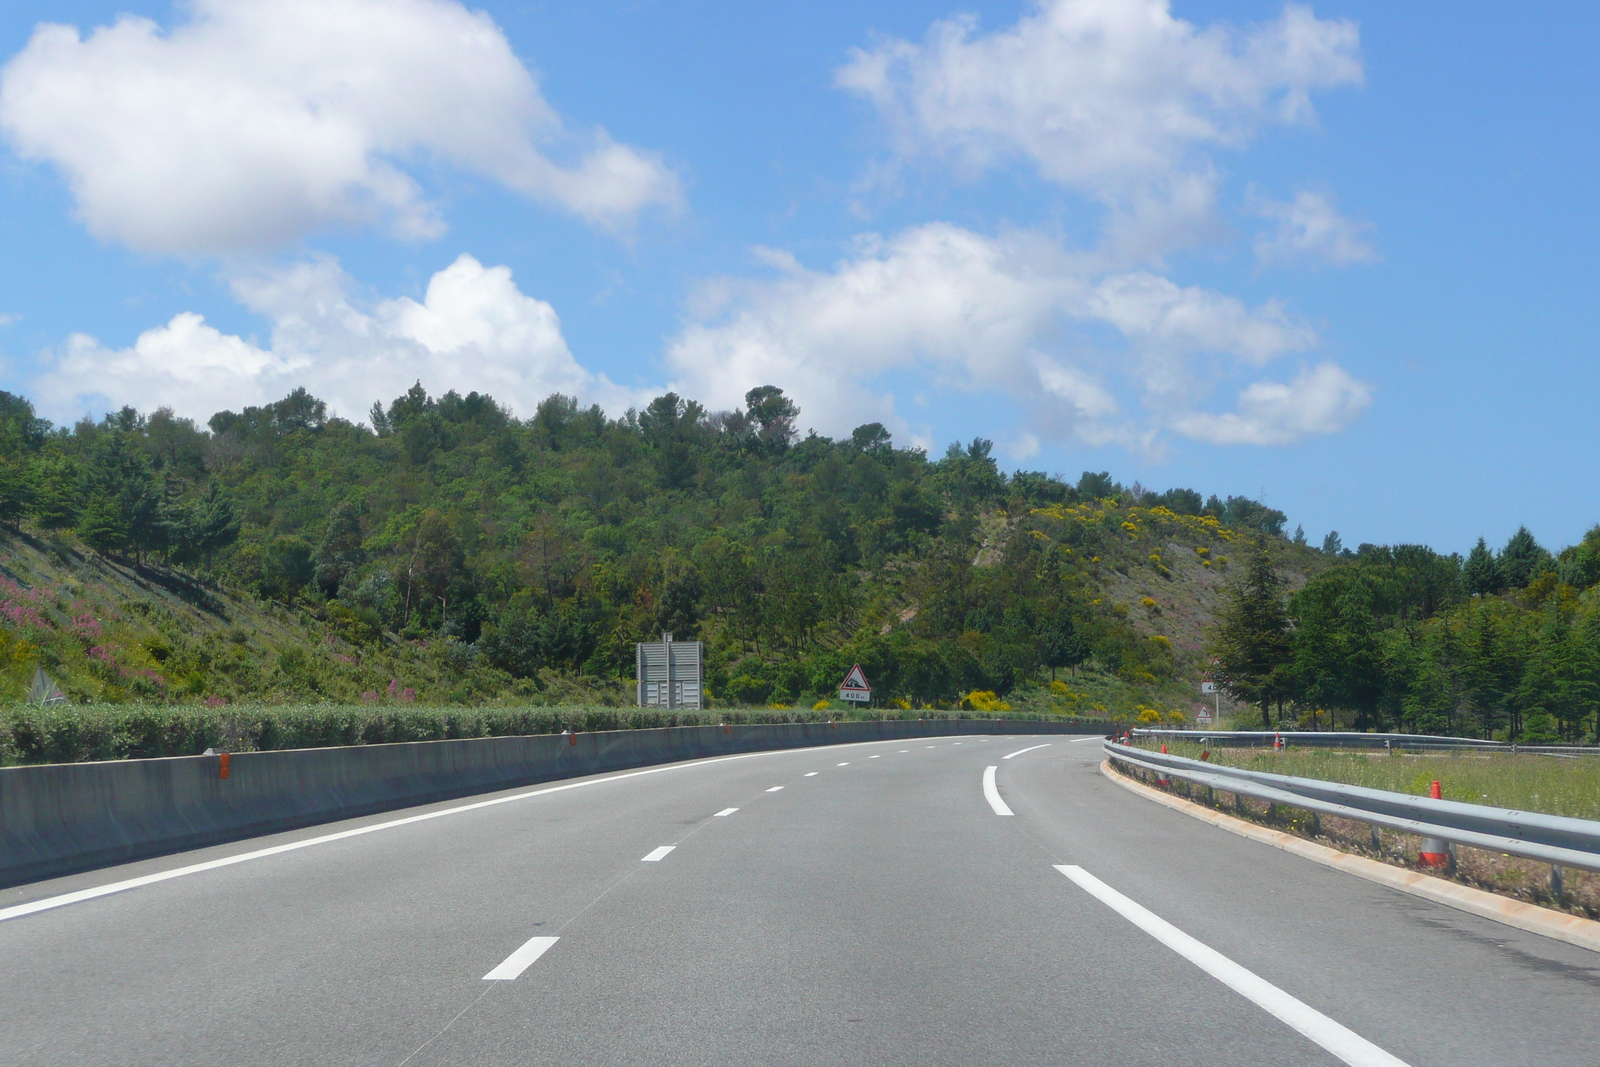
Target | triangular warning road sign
(856,679)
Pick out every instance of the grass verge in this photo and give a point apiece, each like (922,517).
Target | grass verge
(1519,781)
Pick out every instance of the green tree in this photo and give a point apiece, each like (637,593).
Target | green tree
(102,525)
(340,552)
(214,522)
(16,492)
(1481,574)
(1523,559)
(1251,638)
(56,497)
(1061,643)
(1336,653)
(772,416)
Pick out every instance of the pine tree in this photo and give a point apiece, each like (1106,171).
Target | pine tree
(1251,640)
(1481,573)
(1331,545)
(16,492)
(56,494)
(1523,559)
(101,523)
(214,521)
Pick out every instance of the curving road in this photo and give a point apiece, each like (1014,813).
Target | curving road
(861,904)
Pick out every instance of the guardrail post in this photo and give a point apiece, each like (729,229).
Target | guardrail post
(1557,889)
(1377,841)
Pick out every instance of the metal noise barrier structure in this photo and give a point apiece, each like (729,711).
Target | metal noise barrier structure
(1553,839)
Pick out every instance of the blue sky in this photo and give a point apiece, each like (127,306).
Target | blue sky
(1338,256)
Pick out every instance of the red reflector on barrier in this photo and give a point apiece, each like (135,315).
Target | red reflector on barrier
(222,765)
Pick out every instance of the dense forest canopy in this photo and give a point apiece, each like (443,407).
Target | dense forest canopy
(516,550)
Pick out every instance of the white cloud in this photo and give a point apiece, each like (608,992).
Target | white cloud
(1310,229)
(473,330)
(1115,98)
(1320,400)
(255,122)
(971,313)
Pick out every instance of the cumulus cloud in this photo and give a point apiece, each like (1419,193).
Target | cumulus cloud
(1321,399)
(472,330)
(255,122)
(1310,229)
(1114,98)
(972,313)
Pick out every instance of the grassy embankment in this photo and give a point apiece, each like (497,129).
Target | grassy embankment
(1524,782)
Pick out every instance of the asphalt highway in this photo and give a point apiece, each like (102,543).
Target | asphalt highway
(864,904)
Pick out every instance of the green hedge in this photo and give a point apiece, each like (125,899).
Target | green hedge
(133,731)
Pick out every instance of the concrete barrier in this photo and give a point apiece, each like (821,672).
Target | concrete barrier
(63,818)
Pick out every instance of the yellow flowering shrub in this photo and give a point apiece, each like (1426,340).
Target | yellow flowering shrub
(985,700)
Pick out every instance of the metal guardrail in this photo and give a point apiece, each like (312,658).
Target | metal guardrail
(1553,839)
(1352,739)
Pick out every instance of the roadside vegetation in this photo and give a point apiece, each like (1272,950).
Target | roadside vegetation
(1553,785)
(1526,782)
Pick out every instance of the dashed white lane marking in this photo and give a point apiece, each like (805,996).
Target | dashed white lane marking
(874,757)
(33,907)
(1344,1043)
(904,750)
(992,794)
(520,960)
(811,774)
(958,742)
(658,854)
(846,763)
(724,812)
(1081,740)
(930,746)
(775,789)
(1030,748)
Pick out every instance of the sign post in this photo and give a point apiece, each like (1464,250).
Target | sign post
(855,687)
(1209,688)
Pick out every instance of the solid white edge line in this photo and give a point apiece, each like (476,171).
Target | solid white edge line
(1030,748)
(17,911)
(1341,1041)
(724,812)
(658,853)
(520,960)
(992,794)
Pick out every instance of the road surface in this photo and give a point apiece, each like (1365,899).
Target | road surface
(861,904)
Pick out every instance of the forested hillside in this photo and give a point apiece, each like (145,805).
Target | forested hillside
(1500,644)
(448,552)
